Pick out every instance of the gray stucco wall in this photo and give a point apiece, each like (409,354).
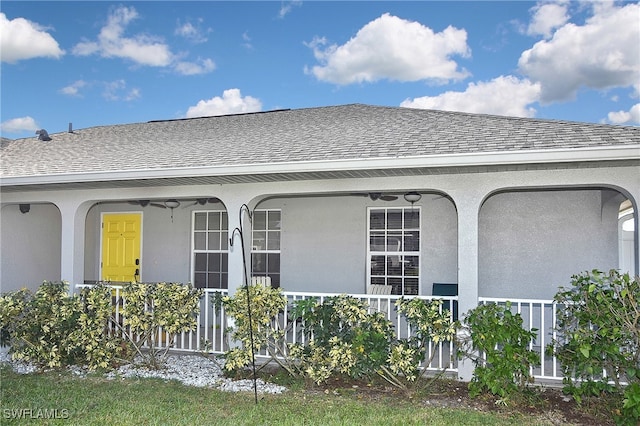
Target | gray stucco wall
(439,242)
(34,238)
(166,244)
(324,242)
(559,233)
(532,242)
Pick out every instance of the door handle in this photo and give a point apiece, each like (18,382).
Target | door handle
(137,262)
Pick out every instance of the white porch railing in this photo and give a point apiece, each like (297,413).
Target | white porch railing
(209,335)
(445,357)
(540,315)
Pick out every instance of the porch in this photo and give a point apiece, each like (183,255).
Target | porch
(209,337)
(313,238)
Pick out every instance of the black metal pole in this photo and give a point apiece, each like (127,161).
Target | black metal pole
(240,231)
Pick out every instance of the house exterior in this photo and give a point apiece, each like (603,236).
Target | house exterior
(502,207)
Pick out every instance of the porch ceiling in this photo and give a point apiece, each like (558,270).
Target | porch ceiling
(312,175)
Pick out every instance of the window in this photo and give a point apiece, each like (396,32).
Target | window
(210,249)
(394,248)
(265,247)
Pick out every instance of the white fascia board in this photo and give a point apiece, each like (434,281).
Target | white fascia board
(574,155)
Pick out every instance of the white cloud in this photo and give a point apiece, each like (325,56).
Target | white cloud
(132,94)
(287,6)
(193,33)
(21,39)
(74,88)
(547,17)
(601,54)
(247,40)
(626,117)
(203,66)
(142,49)
(19,125)
(392,48)
(231,102)
(117,91)
(504,95)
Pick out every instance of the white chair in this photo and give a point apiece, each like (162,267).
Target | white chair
(382,303)
(379,289)
(263,281)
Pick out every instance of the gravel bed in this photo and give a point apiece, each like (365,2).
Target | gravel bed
(191,370)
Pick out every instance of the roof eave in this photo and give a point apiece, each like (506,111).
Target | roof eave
(497,158)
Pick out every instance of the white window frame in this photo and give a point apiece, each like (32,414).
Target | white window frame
(195,251)
(402,253)
(266,250)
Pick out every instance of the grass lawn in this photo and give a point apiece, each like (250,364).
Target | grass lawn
(97,401)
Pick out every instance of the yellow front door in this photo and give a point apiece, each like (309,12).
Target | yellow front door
(121,234)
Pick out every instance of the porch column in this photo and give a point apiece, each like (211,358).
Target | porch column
(237,212)
(73,215)
(635,194)
(468,205)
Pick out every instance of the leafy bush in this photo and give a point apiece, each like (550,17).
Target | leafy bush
(11,306)
(499,348)
(101,346)
(266,303)
(599,329)
(53,329)
(344,338)
(341,336)
(156,312)
(630,413)
(430,324)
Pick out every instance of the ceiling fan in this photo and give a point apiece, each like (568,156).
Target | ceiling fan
(202,202)
(145,203)
(380,196)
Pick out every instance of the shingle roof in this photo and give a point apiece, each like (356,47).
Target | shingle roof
(325,133)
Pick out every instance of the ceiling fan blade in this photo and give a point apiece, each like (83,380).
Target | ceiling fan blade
(143,203)
(389,197)
(162,206)
(195,203)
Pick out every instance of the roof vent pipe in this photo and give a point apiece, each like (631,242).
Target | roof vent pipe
(70,127)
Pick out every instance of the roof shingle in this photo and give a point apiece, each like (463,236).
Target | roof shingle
(326,133)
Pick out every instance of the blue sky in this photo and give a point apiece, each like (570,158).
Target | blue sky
(101,63)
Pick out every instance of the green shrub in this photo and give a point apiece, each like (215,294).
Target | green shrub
(343,338)
(266,303)
(599,329)
(53,329)
(499,348)
(11,306)
(630,412)
(157,313)
(429,324)
(100,346)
